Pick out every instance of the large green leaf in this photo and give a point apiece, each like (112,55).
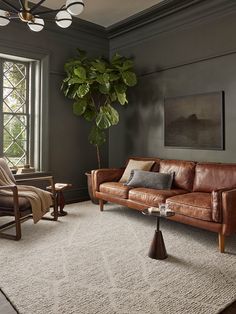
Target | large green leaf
(106,77)
(122,98)
(92,75)
(103,78)
(99,79)
(113,97)
(69,66)
(80,72)
(99,65)
(73,91)
(66,90)
(107,117)
(97,136)
(114,76)
(116,58)
(103,120)
(64,86)
(74,80)
(66,79)
(89,114)
(83,90)
(127,65)
(79,107)
(113,113)
(129,78)
(120,88)
(104,89)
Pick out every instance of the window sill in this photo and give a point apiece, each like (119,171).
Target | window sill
(35,174)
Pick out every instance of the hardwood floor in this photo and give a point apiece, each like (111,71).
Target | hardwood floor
(7,308)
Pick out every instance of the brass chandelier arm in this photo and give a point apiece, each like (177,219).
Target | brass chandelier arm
(13,17)
(15,9)
(34,7)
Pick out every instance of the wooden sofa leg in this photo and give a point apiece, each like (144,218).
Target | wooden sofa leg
(221,238)
(101,204)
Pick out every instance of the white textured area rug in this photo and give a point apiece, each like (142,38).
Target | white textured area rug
(91,262)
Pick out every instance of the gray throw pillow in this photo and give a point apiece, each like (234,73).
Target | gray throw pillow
(151,180)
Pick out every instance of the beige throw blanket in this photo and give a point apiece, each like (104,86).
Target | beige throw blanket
(39,199)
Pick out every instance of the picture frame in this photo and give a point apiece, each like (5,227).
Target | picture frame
(195,121)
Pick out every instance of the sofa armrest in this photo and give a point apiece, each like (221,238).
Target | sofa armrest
(229,211)
(216,204)
(105,175)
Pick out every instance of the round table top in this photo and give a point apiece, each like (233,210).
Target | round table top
(156,213)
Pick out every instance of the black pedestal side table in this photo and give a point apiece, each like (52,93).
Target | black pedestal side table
(157,249)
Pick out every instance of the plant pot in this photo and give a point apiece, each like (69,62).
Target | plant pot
(90,189)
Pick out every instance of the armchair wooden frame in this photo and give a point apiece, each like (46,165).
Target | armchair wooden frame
(20,217)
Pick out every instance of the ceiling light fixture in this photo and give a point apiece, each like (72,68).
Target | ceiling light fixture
(35,18)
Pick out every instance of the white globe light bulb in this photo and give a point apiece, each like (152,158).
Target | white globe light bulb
(36,25)
(63,19)
(4,19)
(75,7)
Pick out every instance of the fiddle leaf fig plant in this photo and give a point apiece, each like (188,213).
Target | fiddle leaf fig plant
(96,85)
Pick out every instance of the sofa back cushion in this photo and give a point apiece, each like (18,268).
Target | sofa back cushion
(213,176)
(136,164)
(183,172)
(155,167)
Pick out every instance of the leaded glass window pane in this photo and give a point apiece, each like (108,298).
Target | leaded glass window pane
(15,112)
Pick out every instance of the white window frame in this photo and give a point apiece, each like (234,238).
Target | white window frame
(40,94)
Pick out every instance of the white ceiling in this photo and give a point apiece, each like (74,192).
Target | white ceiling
(106,12)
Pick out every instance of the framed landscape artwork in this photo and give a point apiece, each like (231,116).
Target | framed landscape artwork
(195,121)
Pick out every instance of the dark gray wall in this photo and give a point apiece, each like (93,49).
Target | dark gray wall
(70,154)
(191,52)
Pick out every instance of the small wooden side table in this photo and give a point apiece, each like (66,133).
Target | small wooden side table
(157,249)
(59,188)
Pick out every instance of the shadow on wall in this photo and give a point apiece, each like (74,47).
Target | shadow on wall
(143,117)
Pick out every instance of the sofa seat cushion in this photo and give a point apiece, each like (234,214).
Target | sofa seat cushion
(196,205)
(152,197)
(117,189)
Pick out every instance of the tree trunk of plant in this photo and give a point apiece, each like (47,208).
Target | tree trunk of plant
(98,157)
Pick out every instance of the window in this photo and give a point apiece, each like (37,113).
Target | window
(15,112)
(24,106)
(17,118)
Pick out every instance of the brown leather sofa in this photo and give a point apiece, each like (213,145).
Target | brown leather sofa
(202,194)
